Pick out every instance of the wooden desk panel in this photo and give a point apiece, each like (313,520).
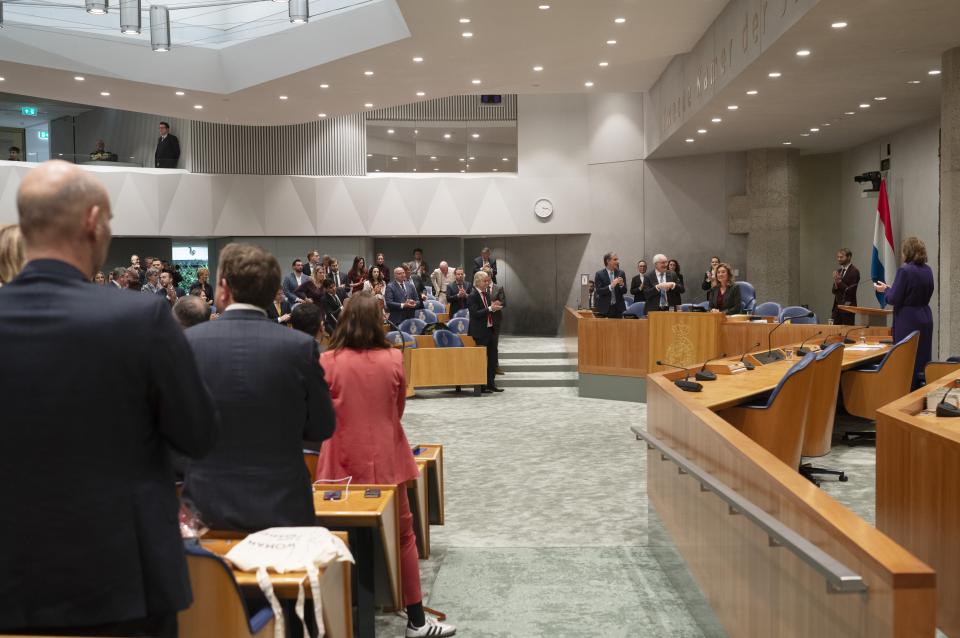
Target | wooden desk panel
(740,337)
(918,491)
(444,367)
(755,589)
(418,496)
(683,338)
(612,346)
(432,453)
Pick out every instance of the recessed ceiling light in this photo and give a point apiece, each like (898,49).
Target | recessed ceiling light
(495,170)
(804,135)
(416,131)
(284,97)
(774,74)
(913,82)
(604,64)
(390,131)
(463,159)
(475,81)
(420,93)
(464,20)
(471,158)
(324,86)
(611,41)
(368,73)
(79,78)
(732,107)
(803,53)
(689,140)
(433,157)
(880,98)
(933,72)
(418,59)
(544,7)
(414,170)
(198,106)
(716,120)
(368,105)
(786,143)
(436,169)
(814,130)
(505,159)
(321,115)
(369,154)
(588,84)
(463,171)
(620,20)
(467,34)
(825,124)
(377,170)
(467,165)
(180,93)
(475,136)
(752,92)
(701,131)
(864,106)
(105,93)
(394,158)
(447,136)
(839,25)
(850,113)
(538,68)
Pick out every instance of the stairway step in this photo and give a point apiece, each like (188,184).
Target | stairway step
(539,367)
(560,354)
(537,383)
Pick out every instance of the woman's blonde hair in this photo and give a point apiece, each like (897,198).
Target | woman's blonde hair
(913,251)
(12,254)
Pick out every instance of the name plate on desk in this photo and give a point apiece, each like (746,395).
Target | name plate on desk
(731,367)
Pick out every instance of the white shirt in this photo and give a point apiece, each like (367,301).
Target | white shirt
(245,306)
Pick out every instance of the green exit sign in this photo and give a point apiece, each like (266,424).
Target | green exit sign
(28,110)
(43,135)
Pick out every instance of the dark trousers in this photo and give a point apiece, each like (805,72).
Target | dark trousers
(489,341)
(155,626)
(842,318)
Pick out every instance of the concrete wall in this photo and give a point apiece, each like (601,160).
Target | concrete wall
(821,209)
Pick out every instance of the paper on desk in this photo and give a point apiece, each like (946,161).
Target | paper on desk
(865,346)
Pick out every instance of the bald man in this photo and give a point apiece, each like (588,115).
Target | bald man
(94,547)
(440,279)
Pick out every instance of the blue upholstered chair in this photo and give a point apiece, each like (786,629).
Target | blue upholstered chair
(446,339)
(872,386)
(768,309)
(426,316)
(627,299)
(459,325)
(434,306)
(796,311)
(685,307)
(413,326)
(776,421)
(398,339)
(462,313)
(218,601)
(748,295)
(637,309)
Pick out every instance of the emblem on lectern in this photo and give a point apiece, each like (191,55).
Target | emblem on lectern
(681,350)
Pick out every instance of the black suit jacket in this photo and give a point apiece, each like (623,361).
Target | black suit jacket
(478,265)
(272,310)
(332,306)
(637,287)
(652,295)
(453,298)
(845,293)
(732,303)
(269,387)
(609,302)
(479,312)
(168,152)
(88,523)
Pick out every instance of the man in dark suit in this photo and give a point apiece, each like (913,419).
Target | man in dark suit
(339,279)
(661,288)
(485,260)
(168,148)
(93,547)
(332,306)
(482,309)
(458,291)
(610,285)
(637,284)
(418,264)
(846,279)
(292,281)
(269,387)
(313,262)
(279,310)
(400,297)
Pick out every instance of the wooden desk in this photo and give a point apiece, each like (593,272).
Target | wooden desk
(430,367)
(756,589)
(374,528)
(335,593)
(872,316)
(615,347)
(432,453)
(683,338)
(417,496)
(918,490)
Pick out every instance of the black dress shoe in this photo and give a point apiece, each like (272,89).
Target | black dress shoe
(486,390)
(493,388)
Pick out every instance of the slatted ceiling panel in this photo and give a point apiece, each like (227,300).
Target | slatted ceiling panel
(451,109)
(334,146)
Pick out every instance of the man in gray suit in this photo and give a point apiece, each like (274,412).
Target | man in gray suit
(269,387)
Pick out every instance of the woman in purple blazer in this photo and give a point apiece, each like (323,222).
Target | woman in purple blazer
(910,297)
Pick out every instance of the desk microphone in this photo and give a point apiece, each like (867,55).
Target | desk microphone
(706,375)
(803,351)
(846,340)
(746,364)
(770,356)
(948,409)
(684,384)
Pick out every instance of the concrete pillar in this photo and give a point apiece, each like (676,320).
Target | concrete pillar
(949,267)
(769,214)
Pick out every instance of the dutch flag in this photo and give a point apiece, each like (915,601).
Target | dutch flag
(884,262)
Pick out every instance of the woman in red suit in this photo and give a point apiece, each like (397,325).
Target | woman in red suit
(369,444)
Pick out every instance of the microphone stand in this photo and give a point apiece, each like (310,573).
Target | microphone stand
(684,384)
(948,409)
(770,356)
(803,351)
(706,375)
(747,364)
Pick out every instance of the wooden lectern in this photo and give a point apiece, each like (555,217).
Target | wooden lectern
(874,316)
(683,338)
